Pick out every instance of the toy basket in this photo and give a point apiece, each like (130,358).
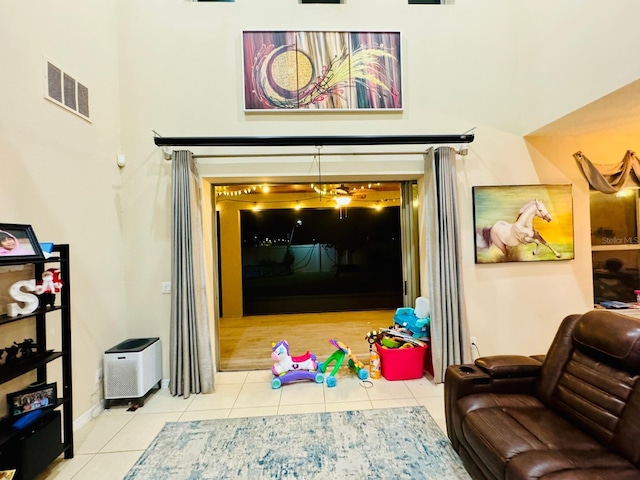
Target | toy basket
(401,363)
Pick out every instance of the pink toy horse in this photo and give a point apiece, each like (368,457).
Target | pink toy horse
(286,363)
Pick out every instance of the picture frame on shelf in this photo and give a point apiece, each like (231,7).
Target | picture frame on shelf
(523,223)
(33,398)
(18,243)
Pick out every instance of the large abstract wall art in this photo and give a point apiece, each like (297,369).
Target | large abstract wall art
(288,70)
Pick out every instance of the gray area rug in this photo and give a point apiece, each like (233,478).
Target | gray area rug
(393,443)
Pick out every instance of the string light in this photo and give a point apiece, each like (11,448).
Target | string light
(243,190)
(357,197)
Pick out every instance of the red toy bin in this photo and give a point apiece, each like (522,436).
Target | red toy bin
(428,359)
(401,363)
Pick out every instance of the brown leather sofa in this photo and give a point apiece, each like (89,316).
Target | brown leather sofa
(571,414)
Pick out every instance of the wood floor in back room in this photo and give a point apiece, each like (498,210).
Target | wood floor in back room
(245,342)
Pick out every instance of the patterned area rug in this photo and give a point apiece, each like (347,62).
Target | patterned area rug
(393,443)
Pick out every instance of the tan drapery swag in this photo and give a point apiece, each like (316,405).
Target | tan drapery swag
(611,178)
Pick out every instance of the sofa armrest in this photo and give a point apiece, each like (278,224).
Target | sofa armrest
(509,366)
(460,381)
(539,358)
(498,374)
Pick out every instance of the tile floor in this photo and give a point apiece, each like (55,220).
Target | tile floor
(108,446)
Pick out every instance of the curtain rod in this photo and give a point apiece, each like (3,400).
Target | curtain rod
(310,140)
(304,154)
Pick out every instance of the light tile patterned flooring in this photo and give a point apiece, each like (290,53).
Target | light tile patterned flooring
(108,446)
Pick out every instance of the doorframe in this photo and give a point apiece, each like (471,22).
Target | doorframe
(412,272)
(409,232)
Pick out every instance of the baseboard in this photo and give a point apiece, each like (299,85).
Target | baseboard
(87,416)
(98,408)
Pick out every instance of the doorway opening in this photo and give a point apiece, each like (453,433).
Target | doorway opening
(308,261)
(289,251)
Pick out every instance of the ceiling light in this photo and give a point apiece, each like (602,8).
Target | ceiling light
(343,200)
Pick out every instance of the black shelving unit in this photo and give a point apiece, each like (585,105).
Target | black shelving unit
(18,447)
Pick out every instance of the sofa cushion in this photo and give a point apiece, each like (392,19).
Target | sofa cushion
(498,428)
(569,464)
(603,401)
(617,343)
(593,474)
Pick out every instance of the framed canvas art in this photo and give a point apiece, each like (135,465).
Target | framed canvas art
(321,71)
(523,223)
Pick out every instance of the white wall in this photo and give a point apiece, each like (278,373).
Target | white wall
(175,66)
(183,72)
(571,53)
(58,172)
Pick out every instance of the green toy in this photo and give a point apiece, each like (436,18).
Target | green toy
(338,356)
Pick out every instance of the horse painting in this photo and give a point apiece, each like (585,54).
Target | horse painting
(506,235)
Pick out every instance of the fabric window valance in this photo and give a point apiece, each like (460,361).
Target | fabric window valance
(611,178)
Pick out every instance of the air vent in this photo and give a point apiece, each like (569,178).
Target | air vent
(64,90)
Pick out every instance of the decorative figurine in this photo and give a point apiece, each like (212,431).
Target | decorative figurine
(47,288)
(27,347)
(12,354)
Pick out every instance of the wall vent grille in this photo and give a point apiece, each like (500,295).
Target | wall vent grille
(64,90)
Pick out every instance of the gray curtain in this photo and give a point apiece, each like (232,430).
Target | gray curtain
(450,341)
(611,178)
(190,355)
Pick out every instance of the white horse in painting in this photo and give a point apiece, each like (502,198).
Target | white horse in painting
(505,235)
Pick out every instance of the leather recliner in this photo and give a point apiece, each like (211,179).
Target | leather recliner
(571,414)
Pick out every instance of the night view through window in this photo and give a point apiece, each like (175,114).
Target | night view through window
(312,260)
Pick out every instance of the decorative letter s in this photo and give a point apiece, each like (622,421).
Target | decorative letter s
(30,301)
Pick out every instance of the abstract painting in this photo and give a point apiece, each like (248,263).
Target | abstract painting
(304,70)
(523,223)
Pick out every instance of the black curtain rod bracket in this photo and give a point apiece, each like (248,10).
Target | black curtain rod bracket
(311,140)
